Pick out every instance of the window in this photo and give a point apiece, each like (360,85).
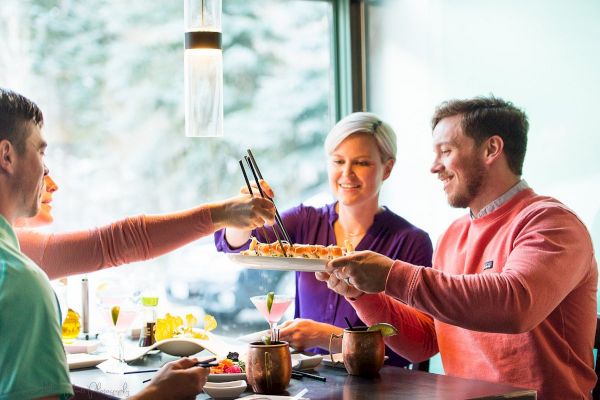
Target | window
(538,55)
(109,78)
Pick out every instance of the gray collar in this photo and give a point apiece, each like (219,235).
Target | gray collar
(494,205)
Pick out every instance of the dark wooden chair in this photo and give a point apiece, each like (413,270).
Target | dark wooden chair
(596,391)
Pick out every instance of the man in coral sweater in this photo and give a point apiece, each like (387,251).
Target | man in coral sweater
(511,296)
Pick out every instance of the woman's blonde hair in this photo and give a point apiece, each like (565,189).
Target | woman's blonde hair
(364,122)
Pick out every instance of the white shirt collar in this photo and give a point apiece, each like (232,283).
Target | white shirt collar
(494,205)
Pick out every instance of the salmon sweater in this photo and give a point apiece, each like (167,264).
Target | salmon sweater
(511,298)
(131,239)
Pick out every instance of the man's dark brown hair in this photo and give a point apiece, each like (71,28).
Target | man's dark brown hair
(483,117)
(15,111)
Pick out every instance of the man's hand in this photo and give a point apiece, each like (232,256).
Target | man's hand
(365,270)
(176,380)
(339,286)
(304,334)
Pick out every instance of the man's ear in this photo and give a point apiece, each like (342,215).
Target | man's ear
(493,148)
(7,156)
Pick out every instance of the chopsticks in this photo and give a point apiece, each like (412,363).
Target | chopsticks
(262,194)
(277,216)
(140,371)
(262,228)
(210,362)
(301,374)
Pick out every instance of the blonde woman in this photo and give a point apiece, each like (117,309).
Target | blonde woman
(361,152)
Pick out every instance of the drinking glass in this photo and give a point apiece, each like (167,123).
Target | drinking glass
(278,308)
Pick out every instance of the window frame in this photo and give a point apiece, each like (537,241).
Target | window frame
(349,57)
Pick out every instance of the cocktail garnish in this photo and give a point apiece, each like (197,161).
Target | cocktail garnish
(114,312)
(384,328)
(270,297)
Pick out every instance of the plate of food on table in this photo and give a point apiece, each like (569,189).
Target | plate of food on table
(281,255)
(230,368)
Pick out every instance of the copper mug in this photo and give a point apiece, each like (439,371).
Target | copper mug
(269,367)
(363,351)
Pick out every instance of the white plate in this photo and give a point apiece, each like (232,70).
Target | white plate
(280,263)
(83,360)
(225,390)
(182,347)
(302,361)
(82,346)
(226,377)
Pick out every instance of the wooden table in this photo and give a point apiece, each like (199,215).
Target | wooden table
(392,383)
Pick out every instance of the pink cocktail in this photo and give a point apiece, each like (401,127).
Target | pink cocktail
(278,307)
(124,321)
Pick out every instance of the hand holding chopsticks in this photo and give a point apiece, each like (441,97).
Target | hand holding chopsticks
(262,194)
(207,363)
(238,236)
(242,212)
(180,379)
(255,169)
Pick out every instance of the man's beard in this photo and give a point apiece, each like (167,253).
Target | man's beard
(473,180)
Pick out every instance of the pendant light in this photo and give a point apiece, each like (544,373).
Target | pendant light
(203,68)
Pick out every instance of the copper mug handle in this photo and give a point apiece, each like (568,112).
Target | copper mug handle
(268,368)
(333,335)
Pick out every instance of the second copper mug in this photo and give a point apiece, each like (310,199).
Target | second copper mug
(363,351)
(269,367)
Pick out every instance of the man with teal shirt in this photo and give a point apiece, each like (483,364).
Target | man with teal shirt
(31,352)
(31,335)
(32,357)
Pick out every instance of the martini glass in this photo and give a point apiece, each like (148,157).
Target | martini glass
(119,313)
(278,307)
(122,318)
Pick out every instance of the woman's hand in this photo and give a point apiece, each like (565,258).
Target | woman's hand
(264,186)
(242,212)
(236,236)
(304,334)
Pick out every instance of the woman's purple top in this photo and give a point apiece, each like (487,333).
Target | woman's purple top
(390,235)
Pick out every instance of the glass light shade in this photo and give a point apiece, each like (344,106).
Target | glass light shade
(203,69)
(203,77)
